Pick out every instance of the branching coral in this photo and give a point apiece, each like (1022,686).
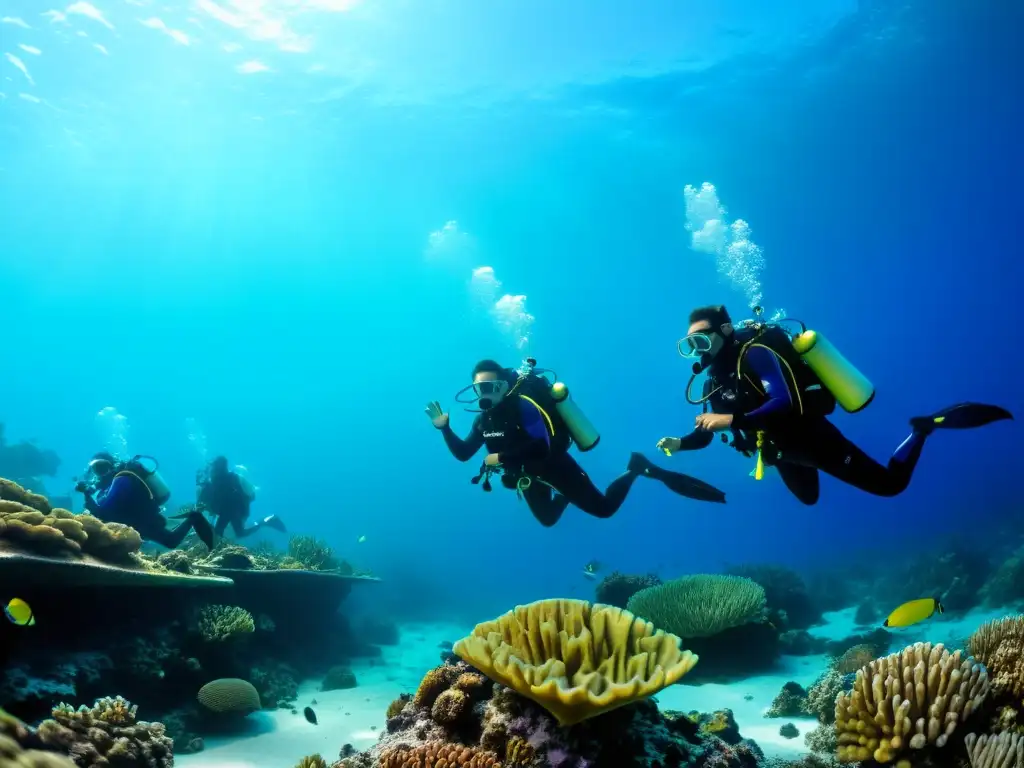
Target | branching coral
(999,645)
(107,734)
(821,696)
(907,700)
(701,605)
(218,623)
(311,554)
(791,702)
(574,659)
(1003,751)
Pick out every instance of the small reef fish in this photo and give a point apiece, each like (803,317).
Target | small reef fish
(19,612)
(310,715)
(913,611)
(590,569)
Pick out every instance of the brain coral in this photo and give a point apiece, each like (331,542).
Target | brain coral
(229,694)
(575,659)
(701,605)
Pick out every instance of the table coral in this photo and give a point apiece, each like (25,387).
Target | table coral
(907,700)
(575,659)
(107,734)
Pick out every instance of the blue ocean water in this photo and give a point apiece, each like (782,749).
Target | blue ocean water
(257,228)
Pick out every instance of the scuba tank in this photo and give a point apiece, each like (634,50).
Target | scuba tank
(851,388)
(151,477)
(579,427)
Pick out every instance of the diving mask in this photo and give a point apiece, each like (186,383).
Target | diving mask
(704,345)
(487,393)
(101,468)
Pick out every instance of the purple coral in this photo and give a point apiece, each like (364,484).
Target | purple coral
(557,757)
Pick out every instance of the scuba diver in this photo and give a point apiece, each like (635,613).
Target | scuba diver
(773,389)
(528,425)
(132,493)
(227,496)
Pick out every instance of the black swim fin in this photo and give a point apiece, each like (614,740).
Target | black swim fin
(960,416)
(202,528)
(677,482)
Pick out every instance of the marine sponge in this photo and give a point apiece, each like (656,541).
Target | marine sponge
(999,645)
(229,694)
(438,755)
(1003,751)
(575,659)
(450,707)
(906,700)
(218,623)
(107,734)
(702,605)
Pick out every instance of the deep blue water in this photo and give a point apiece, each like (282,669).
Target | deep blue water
(223,225)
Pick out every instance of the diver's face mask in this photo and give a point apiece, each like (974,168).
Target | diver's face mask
(705,344)
(102,471)
(490,393)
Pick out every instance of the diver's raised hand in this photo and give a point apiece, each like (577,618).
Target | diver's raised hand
(669,445)
(437,417)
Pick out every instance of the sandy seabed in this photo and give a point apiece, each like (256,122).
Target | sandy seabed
(279,739)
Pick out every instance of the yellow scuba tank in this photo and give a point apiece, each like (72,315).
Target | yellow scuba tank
(580,429)
(152,478)
(849,386)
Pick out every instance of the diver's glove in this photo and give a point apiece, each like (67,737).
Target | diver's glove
(437,417)
(669,445)
(81,486)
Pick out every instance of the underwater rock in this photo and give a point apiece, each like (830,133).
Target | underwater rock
(800,642)
(868,612)
(790,702)
(784,591)
(512,730)
(338,678)
(276,683)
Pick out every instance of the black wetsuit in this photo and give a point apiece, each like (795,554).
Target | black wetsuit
(792,412)
(226,499)
(532,443)
(128,500)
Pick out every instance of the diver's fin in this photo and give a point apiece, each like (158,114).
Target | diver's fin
(203,529)
(961,416)
(273,521)
(676,482)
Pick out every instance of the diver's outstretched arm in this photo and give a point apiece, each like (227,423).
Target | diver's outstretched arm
(697,440)
(463,450)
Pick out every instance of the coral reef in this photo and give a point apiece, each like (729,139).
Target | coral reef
(1003,751)
(276,683)
(907,700)
(311,554)
(616,588)
(575,659)
(999,645)
(789,731)
(791,702)
(854,658)
(20,748)
(785,593)
(822,740)
(505,729)
(59,532)
(107,734)
(175,560)
(701,605)
(11,491)
(338,677)
(311,761)
(219,623)
(229,695)
(821,696)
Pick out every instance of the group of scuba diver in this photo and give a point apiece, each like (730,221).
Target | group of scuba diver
(133,492)
(768,390)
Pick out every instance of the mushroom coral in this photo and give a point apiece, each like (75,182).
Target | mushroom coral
(575,659)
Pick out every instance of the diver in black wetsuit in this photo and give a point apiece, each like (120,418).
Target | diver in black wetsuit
(528,440)
(774,395)
(132,493)
(228,496)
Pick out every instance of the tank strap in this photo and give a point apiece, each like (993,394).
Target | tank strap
(791,382)
(547,418)
(129,473)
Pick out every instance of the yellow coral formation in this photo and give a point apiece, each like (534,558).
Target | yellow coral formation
(11,491)
(229,694)
(999,645)
(433,683)
(312,761)
(519,753)
(907,700)
(1003,751)
(38,528)
(450,706)
(438,755)
(13,737)
(395,707)
(575,659)
(218,623)
(470,682)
